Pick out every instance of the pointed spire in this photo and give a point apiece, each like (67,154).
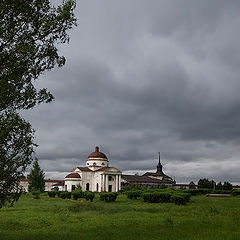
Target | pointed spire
(159,166)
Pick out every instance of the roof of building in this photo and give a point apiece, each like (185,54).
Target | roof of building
(61,183)
(73,175)
(86,169)
(97,154)
(156,174)
(46,180)
(141,179)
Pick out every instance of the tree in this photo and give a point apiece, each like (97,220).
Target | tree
(192,185)
(219,186)
(204,183)
(36,178)
(227,186)
(30,31)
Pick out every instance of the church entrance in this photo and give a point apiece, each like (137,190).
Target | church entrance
(110,188)
(87,187)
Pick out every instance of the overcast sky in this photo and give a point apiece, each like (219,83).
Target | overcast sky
(144,76)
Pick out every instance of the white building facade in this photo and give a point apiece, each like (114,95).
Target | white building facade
(96,176)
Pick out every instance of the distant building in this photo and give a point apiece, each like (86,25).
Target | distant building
(96,176)
(149,179)
(49,184)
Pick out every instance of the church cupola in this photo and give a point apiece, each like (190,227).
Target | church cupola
(159,166)
(97,160)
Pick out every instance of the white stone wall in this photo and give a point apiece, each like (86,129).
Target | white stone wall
(69,182)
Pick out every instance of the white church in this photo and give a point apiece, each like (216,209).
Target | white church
(97,176)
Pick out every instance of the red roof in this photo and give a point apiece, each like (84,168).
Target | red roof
(97,154)
(84,169)
(46,180)
(73,175)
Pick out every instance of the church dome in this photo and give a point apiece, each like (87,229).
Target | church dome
(97,154)
(73,175)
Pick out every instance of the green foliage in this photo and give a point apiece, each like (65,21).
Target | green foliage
(36,194)
(77,194)
(198,191)
(180,198)
(235,192)
(156,197)
(57,193)
(108,196)
(65,194)
(30,31)
(16,148)
(52,194)
(227,186)
(205,183)
(89,195)
(36,178)
(192,185)
(219,186)
(134,194)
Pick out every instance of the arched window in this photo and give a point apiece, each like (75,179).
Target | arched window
(97,187)
(103,164)
(87,187)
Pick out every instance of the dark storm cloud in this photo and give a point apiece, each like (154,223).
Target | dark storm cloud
(143,77)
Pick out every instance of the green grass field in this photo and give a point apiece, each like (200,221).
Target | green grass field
(54,218)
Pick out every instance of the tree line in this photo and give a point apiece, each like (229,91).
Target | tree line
(211,184)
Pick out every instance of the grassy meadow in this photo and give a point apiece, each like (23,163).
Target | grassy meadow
(54,218)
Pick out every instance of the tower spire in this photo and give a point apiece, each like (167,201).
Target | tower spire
(159,166)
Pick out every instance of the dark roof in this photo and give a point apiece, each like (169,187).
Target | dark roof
(97,154)
(156,174)
(135,178)
(102,169)
(73,175)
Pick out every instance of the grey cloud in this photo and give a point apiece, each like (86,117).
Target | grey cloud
(143,77)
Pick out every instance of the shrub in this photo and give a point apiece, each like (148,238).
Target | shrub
(108,196)
(36,194)
(180,198)
(155,197)
(133,194)
(192,185)
(57,193)
(89,195)
(51,194)
(65,195)
(198,191)
(235,192)
(77,194)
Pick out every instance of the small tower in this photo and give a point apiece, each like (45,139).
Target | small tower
(159,166)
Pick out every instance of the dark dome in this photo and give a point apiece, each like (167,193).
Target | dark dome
(73,175)
(97,154)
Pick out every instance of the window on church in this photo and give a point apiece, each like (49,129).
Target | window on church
(97,187)
(73,187)
(110,178)
(94,164)
(87,187)
(87,163)
(103,164)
